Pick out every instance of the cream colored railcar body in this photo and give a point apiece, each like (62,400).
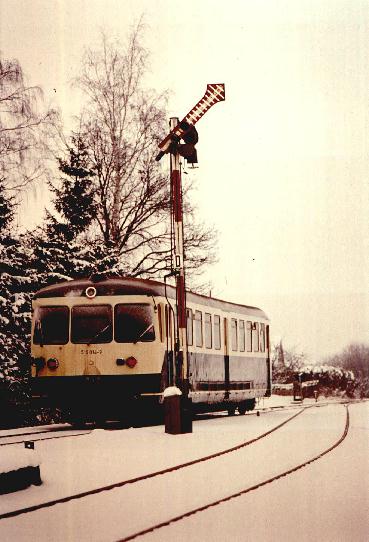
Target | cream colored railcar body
(98,358)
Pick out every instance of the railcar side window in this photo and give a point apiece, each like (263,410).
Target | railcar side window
(255,337)
(198,328)
(175,316)
(189,327)
(169,322)
(217,336)
(134,322)
(242,335)
(208,331)
(249,336)
(234,337)
(160,320)
(262,337)
(92,324)
(51,325)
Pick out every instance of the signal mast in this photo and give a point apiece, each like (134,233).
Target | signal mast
(184,130)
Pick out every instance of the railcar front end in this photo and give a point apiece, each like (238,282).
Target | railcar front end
(96,356)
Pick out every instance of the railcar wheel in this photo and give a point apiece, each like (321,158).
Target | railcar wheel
(245,406)
(242,409)
(231,411)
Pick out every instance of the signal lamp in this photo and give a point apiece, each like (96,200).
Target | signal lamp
(120,361)
(52,364)
(190,134)
(131,362)
(190,138)
(188,151)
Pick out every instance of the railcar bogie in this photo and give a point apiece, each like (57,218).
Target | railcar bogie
(245,406)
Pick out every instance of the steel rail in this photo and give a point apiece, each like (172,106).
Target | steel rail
(10,435)
(41,439)
(242,492)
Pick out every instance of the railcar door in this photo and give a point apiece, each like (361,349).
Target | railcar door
(226,358)
(269,369)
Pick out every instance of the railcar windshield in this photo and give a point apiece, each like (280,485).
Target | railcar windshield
(134,323)
(51,325)
(91,324)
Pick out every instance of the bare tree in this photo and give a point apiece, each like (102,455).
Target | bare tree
(120,126)
(21,128)
(354,357)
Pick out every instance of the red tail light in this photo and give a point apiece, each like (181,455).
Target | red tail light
(52,364)
(131,362)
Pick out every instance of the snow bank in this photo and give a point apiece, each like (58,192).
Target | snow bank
(327,369)
(15,459)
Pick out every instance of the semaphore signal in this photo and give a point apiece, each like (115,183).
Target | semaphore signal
(215,92)
(185,130)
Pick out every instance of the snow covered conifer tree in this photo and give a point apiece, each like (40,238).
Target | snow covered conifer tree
(61,248)
(15,305)
(25,129)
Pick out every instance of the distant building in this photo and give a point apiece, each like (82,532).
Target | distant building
(279,356)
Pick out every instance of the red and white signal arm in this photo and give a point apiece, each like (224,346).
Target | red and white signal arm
(215,92)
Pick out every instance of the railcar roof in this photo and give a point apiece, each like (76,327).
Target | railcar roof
(135,286)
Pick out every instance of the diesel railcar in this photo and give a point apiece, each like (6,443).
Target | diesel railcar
(104,349)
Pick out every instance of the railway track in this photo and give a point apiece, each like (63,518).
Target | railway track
(51,430)
(31,439)
(87,432)
(151,475)
(244,491)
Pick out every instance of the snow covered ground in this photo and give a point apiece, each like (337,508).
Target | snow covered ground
(327,500)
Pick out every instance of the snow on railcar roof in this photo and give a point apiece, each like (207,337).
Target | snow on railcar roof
(105,286)
(134,286)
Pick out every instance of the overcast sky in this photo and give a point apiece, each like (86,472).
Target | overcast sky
(283,162)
